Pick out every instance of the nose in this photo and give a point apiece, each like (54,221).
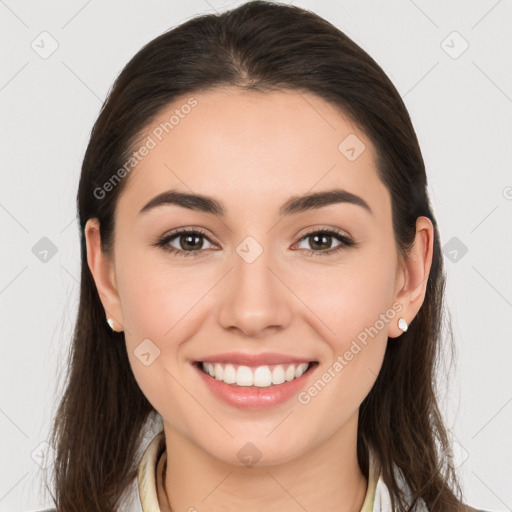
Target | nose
(255,298)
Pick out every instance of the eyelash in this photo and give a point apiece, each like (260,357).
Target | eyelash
(163,242)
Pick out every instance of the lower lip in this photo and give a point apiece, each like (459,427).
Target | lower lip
(253,397)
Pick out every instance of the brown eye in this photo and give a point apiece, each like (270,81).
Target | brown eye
(190,241)
(321,242)
(184,242)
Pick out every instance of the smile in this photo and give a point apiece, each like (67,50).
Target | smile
(260,376)
(257,387)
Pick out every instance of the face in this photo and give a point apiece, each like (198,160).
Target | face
(318,284)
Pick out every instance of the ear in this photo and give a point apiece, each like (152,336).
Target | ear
(413,275)
(103,271)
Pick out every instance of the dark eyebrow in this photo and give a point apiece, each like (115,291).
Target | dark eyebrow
(297,204)
(308,202)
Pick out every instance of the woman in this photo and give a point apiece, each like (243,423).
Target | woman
(262,283)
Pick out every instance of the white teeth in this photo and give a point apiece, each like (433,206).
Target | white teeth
(262,376)
(219,371)
(290,373)
(300,369)
(229,374)
(278,375)
(244,376)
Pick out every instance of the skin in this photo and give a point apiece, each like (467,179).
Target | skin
(253,152)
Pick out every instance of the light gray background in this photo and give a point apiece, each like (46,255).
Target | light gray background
(461,109)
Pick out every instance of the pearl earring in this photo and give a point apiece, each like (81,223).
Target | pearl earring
(402,324)
(110,321)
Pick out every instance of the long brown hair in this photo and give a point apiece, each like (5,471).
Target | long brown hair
(261,46)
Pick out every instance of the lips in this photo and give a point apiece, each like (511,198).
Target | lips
(258,394)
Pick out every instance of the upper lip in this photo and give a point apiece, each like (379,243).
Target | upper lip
(265,358)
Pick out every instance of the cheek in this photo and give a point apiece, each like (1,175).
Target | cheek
(352,306)
(354,352)
(158,296)
(348,298)
(160,306)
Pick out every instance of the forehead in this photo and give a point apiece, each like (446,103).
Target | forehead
(246,146)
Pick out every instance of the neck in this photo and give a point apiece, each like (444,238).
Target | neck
(326,478)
